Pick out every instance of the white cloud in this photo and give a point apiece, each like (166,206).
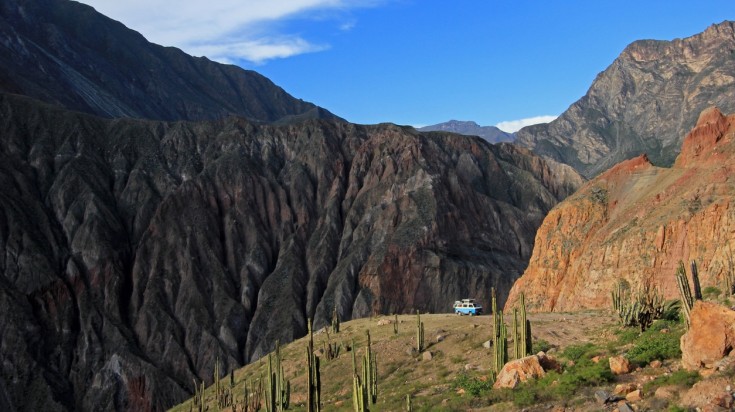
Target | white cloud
(512,126)
(225,30)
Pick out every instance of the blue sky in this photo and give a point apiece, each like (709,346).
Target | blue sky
(419,62)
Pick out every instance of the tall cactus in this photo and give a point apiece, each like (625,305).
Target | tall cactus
(395,325)
(365,385)
(695,281)
(516,336)
(409,407)
(526,342)
(335,320)
(314,383)
(500,338)
(419,333)
(278,390)
(687,299)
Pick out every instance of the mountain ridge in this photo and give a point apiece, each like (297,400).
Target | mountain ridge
(469,128)
(644,102)
(65,53)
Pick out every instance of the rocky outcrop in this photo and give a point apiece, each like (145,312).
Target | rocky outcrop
(710,337)
(521,370)
(644,102)
(134,253)
(490,133)
(635,222)
(65,53)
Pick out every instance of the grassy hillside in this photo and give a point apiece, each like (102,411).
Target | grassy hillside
(457,377)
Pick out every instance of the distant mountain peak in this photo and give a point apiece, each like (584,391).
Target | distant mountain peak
(470,128)
(644,102)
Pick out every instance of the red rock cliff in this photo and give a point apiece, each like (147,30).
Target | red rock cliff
(635,222)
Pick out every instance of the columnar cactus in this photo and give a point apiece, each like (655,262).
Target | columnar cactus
(419,333)
(278,390)
(335,320)
(314,383)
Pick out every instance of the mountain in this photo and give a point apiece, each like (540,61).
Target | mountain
(65,53)
(490,133)
(635,222)
(134,253)
(645,102)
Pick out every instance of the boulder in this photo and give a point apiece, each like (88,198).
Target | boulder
(619,365)
(634,396)
(519,370)
(427,356)
(711,336)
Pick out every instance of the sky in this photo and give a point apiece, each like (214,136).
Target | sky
(496,62)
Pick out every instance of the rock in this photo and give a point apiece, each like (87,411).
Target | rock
(410,351)
(624,388)
(427,356)
(711,336)
(469,367)
(602,396)
(487,344)
(706,393)
(519,370)
(383,322)
(655,364)
(619,365)
(670,219)
(666,392)
(596,359)
(460,391)
(439,338)
(634,396)
(548,362)
(624,407)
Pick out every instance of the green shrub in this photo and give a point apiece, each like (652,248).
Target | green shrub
(681,377)
(711,292)
(472,385)
(577,352)
(653,344)
(541,345)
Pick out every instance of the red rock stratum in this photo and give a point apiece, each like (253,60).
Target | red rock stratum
(636,222)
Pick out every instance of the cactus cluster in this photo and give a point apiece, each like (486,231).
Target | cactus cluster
(639,309)
(278,390)
(419,333)
(687,298)
(252,395)
(365,387)
(331,350)
(521,331)
(500,335)
(313,376)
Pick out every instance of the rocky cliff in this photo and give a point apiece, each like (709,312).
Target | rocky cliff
(133,253)
(65,53)
(635,222)
(645,102)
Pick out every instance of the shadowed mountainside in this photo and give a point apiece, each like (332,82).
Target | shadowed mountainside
(645,102)
(133,253)
(65,53)
(635,222)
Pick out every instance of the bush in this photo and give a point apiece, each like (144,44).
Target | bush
(681,377)
(577,352)
(653,344)
(541,345)
(472,385)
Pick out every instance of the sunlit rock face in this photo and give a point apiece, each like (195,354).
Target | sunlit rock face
(635,222)
(644,102)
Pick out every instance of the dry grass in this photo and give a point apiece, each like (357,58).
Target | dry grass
(402,371)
